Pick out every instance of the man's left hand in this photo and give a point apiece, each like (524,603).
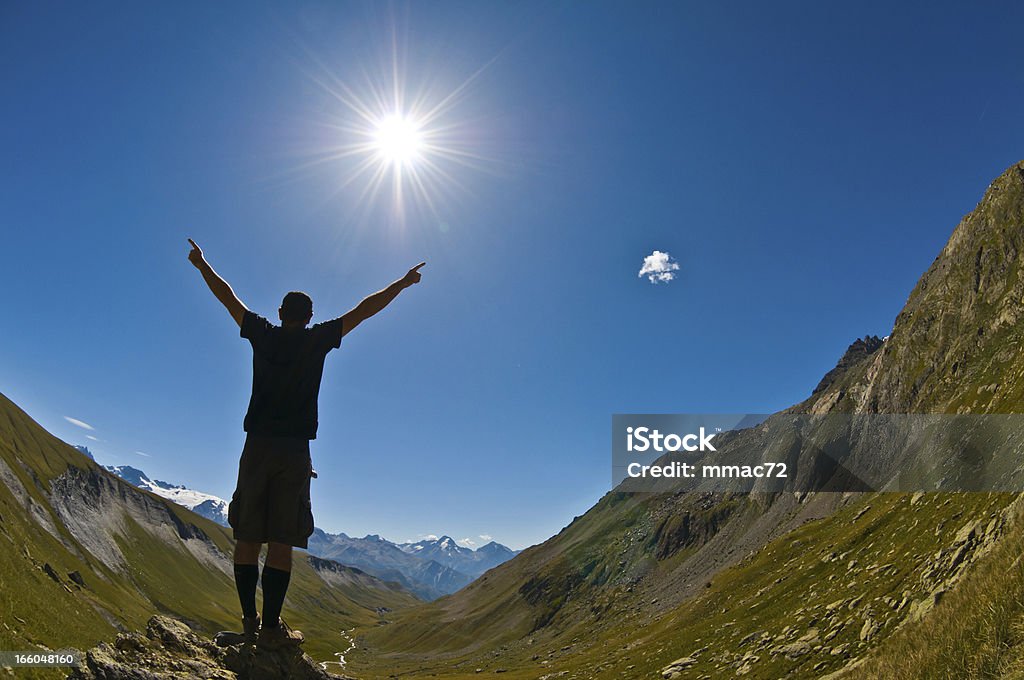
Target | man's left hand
(413,275)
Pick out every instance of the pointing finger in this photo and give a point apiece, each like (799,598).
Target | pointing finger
(418,266)
(193,244)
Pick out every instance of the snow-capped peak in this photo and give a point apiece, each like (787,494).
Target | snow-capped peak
(204,504)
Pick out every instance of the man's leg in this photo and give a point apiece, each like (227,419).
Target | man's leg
(246,519)
(247,575)
(277,573)
(287,496)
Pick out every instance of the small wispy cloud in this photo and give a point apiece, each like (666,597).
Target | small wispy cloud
(79,423)
(659,267)
(486,537)
(143,453)
(89,436)
(421,537)
(466,542)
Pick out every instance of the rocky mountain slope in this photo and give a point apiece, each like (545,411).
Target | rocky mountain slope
(83,555)
(770,585)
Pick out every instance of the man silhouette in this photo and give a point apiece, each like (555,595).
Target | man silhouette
(271,500)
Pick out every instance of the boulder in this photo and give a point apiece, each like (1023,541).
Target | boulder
(169,650)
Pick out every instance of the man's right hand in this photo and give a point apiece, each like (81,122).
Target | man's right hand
(195,256)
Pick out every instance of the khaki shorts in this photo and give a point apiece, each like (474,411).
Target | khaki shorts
(271,499)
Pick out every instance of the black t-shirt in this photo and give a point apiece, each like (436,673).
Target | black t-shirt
(287,364)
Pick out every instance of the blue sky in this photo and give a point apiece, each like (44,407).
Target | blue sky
(803,163)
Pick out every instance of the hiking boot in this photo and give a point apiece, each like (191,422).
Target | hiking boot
(279,637)
(248,636)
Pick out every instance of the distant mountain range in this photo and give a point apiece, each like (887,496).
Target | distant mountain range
(429,568)
(203,504)
(446,551)
(426,578)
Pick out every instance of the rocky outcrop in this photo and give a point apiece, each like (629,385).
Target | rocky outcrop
(169,650)
(678,668)
(859,350)
(676,531)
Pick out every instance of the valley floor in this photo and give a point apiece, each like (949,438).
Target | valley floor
(908,586)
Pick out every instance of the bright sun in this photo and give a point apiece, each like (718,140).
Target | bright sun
(392,134)
(398,139)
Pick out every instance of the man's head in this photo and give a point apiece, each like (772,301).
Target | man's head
(296,309)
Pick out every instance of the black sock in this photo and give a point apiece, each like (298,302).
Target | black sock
(246,578)
(275,585)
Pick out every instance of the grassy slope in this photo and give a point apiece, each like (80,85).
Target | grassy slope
(163,576)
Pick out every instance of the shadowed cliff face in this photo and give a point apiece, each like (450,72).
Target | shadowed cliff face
(95,508)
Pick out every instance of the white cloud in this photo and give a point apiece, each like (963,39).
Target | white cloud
(143,453)
(466,542)
(659,267)
(78,423)
(486,537)
(89,436)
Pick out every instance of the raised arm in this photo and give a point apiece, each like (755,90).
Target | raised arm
(218,286)
(372,304)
